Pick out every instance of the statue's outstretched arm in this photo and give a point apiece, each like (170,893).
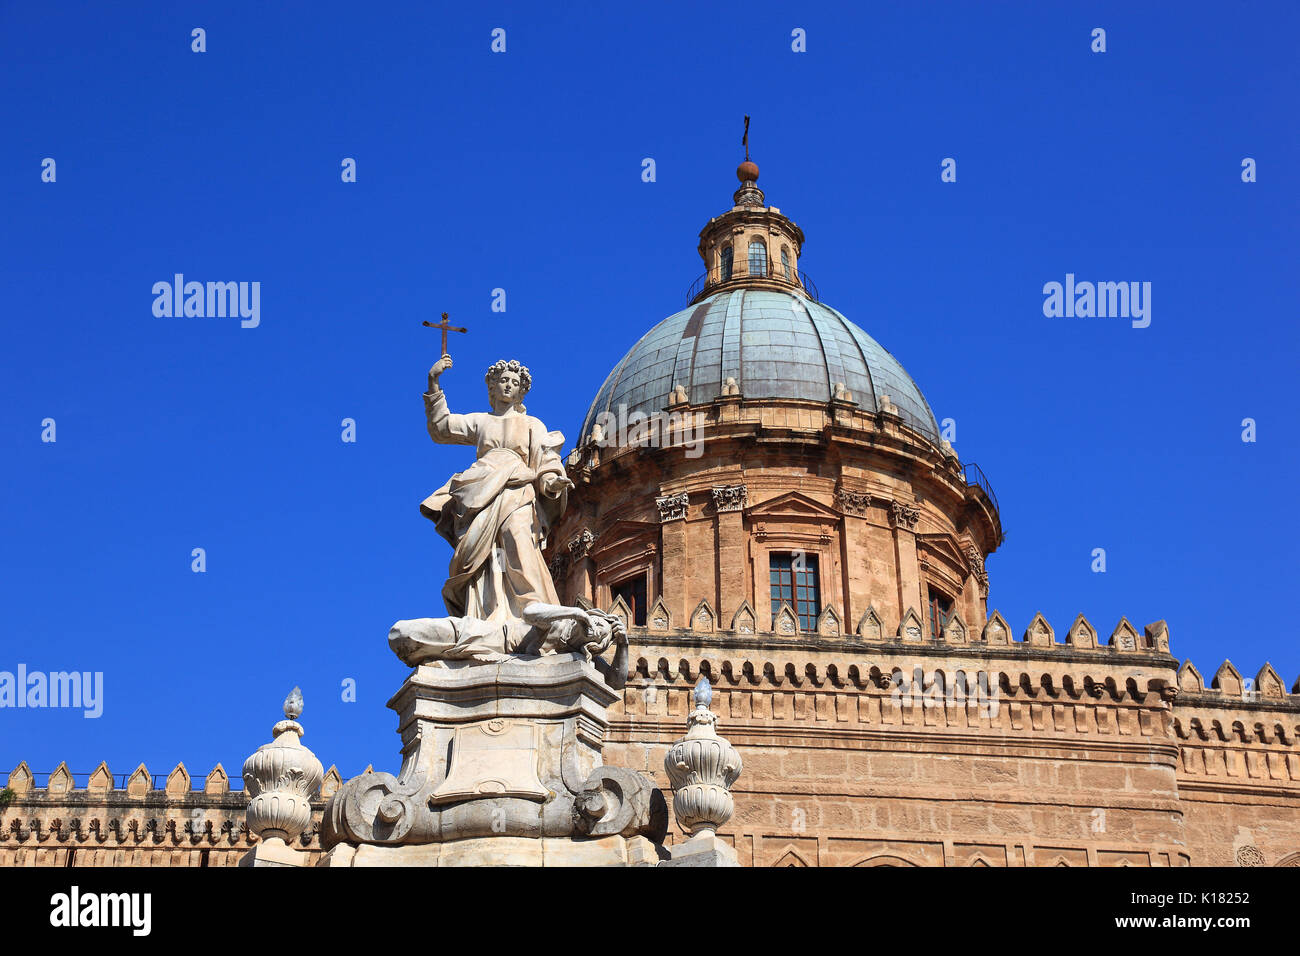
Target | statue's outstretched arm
(444,427)
(544,615)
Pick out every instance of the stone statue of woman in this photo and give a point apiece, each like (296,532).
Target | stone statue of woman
(496,513)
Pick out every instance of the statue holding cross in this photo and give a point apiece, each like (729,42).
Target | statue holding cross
(497,512)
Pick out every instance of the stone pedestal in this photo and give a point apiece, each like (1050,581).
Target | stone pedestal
(500,766)
(273,852)
(504,851)
(705,849)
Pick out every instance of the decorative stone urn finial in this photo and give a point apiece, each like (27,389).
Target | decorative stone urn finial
(281,778)
(293,704)
(702,767)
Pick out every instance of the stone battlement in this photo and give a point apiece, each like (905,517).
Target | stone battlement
(136,819)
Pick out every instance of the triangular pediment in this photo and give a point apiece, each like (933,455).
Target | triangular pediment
(659,618)
(621,611)
(1228,679)
(60,780)
(785,624)
(621,532)
(20,778)
(911,629)
(1081,634)
(330,784)
(139,782)
(743,621)
(1124,637)
(1157,636)
(790,857)
(1268,683)
(703,620)
(1189,678)
(100,778)
(943,545)
(216,781)
(870,627)
(828,624)
(996,630)
(178,781)
(1039,633)
(792,504)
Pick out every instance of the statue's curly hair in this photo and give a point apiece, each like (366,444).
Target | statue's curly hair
(513,365)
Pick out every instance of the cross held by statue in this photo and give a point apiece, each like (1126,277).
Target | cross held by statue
(446,327)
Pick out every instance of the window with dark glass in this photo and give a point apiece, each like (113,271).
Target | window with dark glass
(725,263)
(785,261)
(794,582)
(757,258)
(940,613)
(633,593)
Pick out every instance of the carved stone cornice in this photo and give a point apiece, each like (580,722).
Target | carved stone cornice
(730,497)
(673,507)
(852,502)
(580,544)
(903,516)
(977,568)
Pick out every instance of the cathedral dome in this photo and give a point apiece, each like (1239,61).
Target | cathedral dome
(774,344)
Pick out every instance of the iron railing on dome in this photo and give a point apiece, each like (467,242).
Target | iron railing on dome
(975,476)
(743,269)
(972,473)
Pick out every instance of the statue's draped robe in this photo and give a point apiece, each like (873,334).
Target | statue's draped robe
(494,513)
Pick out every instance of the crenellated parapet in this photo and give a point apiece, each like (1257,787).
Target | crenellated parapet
(744,628)
(1239,734)
(99,818)
(989,682)
(849,688)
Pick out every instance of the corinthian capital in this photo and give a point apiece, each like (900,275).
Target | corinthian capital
(903,516)
(673,507)
(730,497)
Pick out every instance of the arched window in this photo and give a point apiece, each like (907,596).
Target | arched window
(757,258)
(724,263)
(785,261)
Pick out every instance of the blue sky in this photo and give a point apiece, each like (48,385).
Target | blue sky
(522,171)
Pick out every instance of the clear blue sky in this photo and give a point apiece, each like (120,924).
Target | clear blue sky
(522,170)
